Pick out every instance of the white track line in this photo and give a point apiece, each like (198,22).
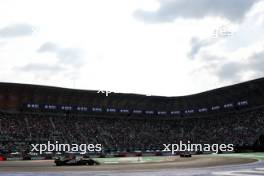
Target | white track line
(241,172)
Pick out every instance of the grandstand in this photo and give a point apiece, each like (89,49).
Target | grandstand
(129,122)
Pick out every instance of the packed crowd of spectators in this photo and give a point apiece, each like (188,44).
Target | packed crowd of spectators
(18,131)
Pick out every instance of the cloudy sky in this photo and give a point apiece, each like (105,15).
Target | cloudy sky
(157,47)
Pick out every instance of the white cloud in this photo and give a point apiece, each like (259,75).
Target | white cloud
(84,44)
(67,56)
(171,9)
(16,30)
(239,57)
(38,67)
(197,44)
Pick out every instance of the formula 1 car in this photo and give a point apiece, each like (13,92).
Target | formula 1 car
(75,162)
(185,155)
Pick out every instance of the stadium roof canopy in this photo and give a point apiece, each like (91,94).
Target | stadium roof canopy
(13,96)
